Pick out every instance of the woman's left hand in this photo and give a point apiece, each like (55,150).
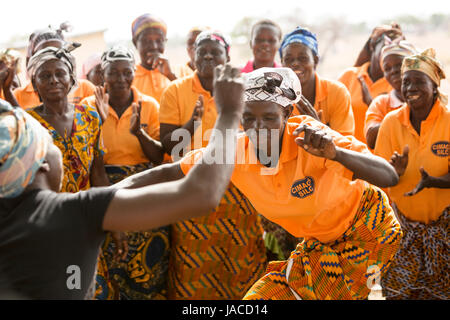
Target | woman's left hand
(102,102)
(425,182)
(135,122)
(316,142)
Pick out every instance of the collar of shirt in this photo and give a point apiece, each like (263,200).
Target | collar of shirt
(249,66)
(198,88)
(129,110)
(435,113)
(141,71)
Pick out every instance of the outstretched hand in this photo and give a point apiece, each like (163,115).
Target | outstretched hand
(102,102)
(424,182)
(228,90)
(400,162)
(316,142)
(197,114)
(135,121)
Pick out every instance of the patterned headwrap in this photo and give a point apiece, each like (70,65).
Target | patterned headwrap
(40,36)
(23,146)
(427,63)
(117,53)
(146,21)
(52,53)
(300,35)
(213,36)
(89,64)
(279,85)
(398,47)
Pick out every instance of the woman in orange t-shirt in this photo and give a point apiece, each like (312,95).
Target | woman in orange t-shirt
(232,231)
(416,139)
(26,96)
(188,68)
(154,73)
(131,137)
(365,80)
(392,57)
(313,187)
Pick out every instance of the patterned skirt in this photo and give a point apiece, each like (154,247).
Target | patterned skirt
(218,256)
(420,269)
(143,274)
(343,269)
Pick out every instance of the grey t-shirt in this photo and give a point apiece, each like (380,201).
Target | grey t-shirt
(49,243)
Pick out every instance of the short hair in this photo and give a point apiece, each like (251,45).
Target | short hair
(266,22)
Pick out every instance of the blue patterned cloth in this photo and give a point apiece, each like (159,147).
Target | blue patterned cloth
(300,35)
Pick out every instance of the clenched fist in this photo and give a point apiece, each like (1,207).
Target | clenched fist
(228,90)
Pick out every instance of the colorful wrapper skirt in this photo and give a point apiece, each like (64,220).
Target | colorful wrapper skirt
(218,256)
(343,269)
(420,269)
(143,274)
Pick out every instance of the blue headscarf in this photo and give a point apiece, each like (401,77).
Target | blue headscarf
(300,35)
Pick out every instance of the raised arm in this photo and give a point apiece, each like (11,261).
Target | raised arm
(364,166)
(201,190)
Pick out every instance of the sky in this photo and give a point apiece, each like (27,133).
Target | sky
(22,17)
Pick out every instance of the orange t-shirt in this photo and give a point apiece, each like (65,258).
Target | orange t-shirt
(333,99)
(350,79)
(430,150)
(150,82)
(28,98)
(308,196)
(123,148)
(177,105)
(379,108)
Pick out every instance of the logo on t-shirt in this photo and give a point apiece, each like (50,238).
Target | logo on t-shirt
(303,188)
(440,148)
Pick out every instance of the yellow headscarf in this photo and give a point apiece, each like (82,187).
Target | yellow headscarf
(427,63)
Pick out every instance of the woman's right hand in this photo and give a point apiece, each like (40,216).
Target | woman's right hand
(400,161)
(197,114)
(102,102)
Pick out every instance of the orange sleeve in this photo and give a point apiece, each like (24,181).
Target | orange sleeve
(376,112)
(152,107)
(87,88)
(169,111)
(346,76)
(190,160)
(341,117)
